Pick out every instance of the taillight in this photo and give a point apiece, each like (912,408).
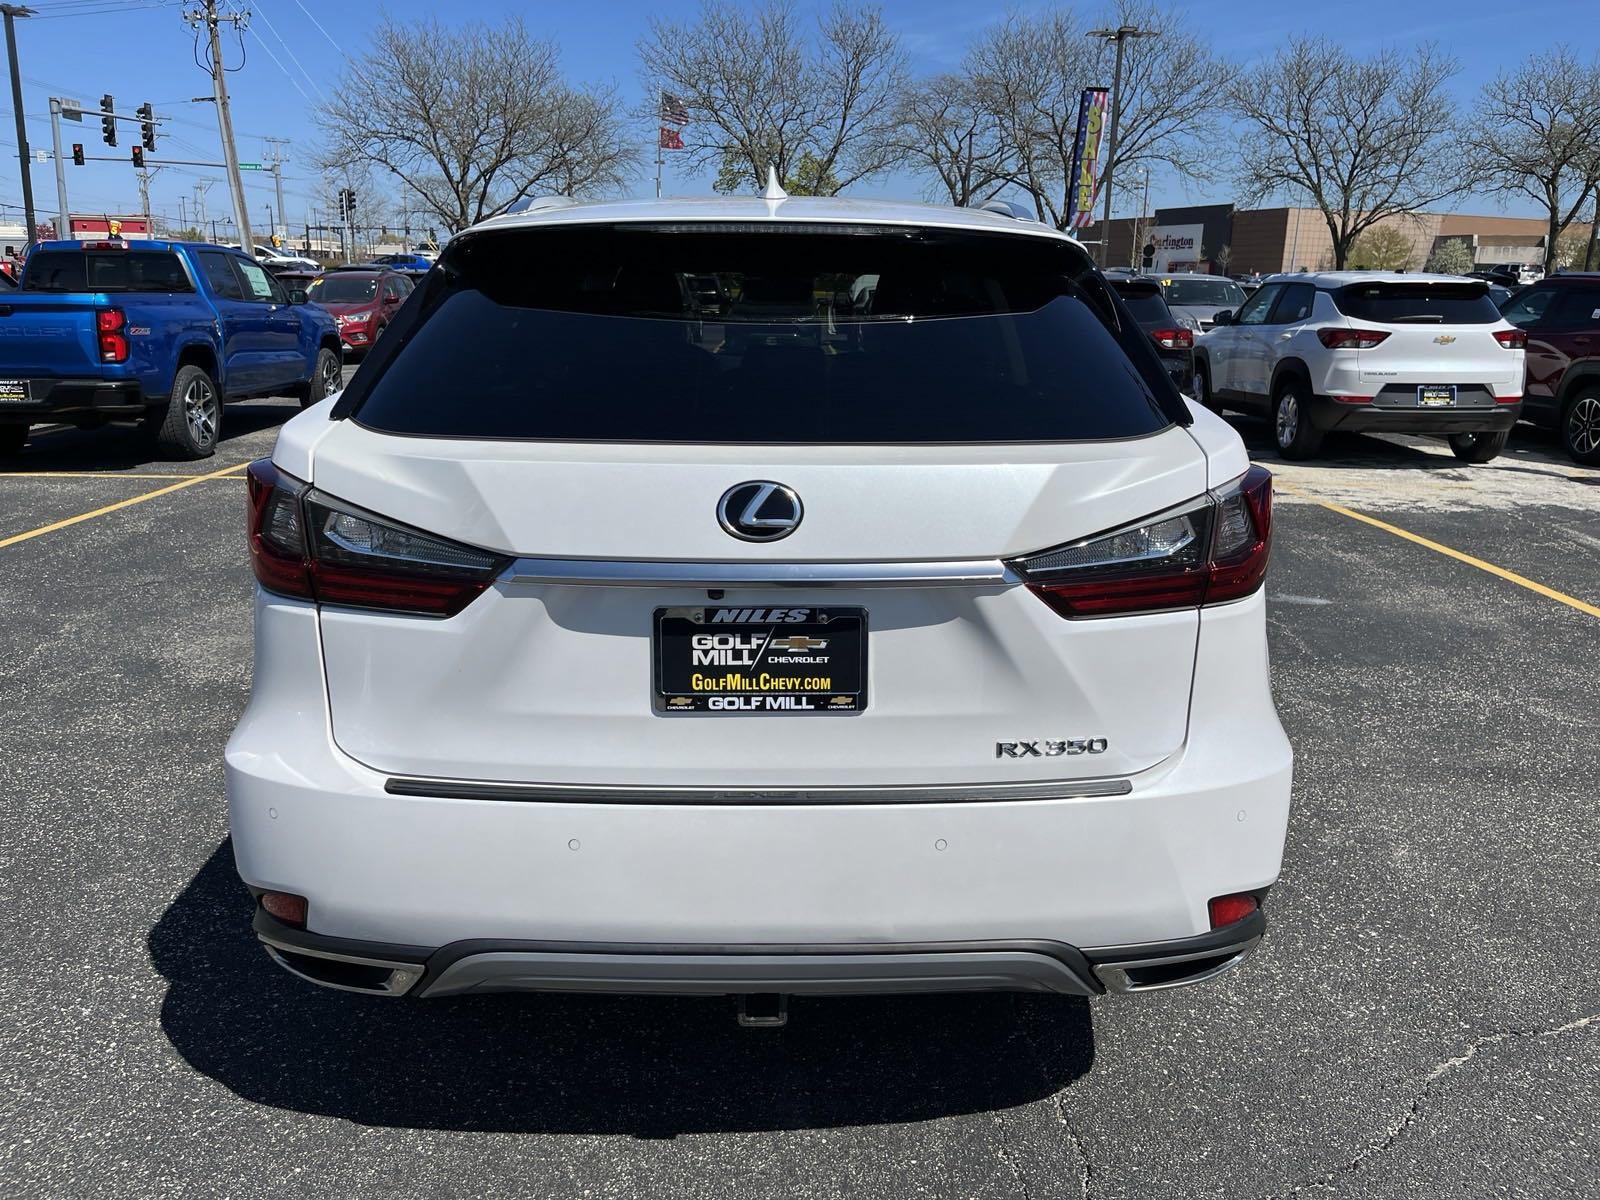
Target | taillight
(1512,339)
(1209,551)
(309,545)
(1173,339)
(1351,339)
(109,324)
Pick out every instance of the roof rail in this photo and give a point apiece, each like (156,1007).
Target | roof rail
(1007,208)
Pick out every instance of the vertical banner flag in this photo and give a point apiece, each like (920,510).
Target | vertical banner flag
(1086,157)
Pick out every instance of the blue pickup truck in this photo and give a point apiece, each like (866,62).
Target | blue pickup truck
(157,333)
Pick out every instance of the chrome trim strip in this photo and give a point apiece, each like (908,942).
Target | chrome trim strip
(470,789)
(403,976)
(1115,974)
(640,573)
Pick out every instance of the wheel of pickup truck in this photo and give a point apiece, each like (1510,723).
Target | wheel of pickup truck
(327,377)
(12,439)
(192,421)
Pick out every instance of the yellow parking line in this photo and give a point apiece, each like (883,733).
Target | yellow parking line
(188,481)
(1448,551)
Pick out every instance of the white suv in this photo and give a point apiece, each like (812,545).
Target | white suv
(619,633)
(1368,352)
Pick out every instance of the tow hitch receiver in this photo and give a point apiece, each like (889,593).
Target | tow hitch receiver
(763,1010)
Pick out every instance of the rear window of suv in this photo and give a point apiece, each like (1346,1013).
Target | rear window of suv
(105,271)
(1145,303)
(767,334)
(1418,303)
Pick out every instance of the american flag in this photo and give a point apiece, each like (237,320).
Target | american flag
(673,110)
(671,139)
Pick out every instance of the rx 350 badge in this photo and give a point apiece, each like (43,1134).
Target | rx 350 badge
(1048,748)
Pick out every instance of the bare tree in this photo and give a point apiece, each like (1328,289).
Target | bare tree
(1031,70)
(1364,139)
(468,118)
(948,134)
(760,90)
(1536,132)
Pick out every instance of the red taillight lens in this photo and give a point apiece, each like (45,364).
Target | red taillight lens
(1351,339)
(1208,552)
(1173,339)
(291,909)
(1230,910)
(311,546)
(109,324)
(1512,339)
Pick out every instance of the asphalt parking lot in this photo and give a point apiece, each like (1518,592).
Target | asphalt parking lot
(1423,1020)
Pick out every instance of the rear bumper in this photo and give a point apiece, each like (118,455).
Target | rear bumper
(480,966)
(406,875)
(54,398)
(1329,415)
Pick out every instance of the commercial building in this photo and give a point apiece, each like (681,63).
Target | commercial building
(1220,238)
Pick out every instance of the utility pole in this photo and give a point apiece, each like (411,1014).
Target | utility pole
(207,15)
(11,12)
(1120,36)
(276,157)
(61,168)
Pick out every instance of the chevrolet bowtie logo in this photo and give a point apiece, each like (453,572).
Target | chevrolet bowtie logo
(798,642)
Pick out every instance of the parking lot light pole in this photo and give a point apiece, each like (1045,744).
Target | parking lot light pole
(11,12)
(1119,35)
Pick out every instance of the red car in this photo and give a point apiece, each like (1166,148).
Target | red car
(1562,317)
(362,300)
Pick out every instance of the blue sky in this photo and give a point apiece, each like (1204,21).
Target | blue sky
(142,50)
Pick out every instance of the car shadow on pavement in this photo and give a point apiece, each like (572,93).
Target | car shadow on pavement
(1531,451)
(648,1067)
(123,447)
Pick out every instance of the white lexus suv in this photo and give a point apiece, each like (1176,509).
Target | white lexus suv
(756,597)
(1368,352)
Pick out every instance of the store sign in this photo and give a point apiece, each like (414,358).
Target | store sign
(1178,247)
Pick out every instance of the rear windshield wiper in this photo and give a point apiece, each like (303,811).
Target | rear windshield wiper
(1418,319)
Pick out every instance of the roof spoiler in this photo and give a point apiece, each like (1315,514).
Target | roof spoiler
(1007,208)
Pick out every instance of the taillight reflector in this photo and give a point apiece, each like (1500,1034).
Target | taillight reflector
(1351,339)
(109,324)
(1508,399)
(289,908)
(1230,910)
(1173,339)
(311,546)
(1208,552)
(1512,339)
(1351,399)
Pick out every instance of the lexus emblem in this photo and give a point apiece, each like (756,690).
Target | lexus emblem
(759,511)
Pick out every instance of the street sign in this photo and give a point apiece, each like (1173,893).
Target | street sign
(249,166)
(40,156)
(72,110)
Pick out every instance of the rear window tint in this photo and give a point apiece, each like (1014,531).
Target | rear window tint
(106,271)
(677,334)
(1418,303)
(1145,303)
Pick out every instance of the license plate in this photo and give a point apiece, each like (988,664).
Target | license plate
(1439,396)
(14,391)
(763,660)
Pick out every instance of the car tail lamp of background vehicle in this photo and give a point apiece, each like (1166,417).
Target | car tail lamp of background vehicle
(1210,551)
(310,546)
(1351,339)
(1173,339)
(111,325)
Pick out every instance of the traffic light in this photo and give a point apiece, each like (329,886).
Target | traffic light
(147,125)
(351,202)
(77,154)
(108,123)
(343,212)
(138,157)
